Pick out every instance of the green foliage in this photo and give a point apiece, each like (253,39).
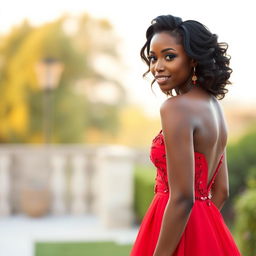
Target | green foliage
(81,249)
(245,225)
(251,178)
(144,189)
(242,166)
(103,116)
(74,107)
(241,157)
(73,102)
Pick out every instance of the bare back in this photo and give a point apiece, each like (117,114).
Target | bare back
(210,135)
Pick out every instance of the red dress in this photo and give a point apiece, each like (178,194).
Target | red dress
(205,233)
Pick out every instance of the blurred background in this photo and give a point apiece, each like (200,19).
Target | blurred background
(77,120)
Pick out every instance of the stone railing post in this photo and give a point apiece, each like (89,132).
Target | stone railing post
(58,185)
(78,185)
(5,208)
(115,173)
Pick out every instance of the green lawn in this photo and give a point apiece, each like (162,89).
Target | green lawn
(81,249)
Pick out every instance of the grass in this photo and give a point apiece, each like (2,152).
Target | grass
(81,249)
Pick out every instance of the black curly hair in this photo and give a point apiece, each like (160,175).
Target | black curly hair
(200,44)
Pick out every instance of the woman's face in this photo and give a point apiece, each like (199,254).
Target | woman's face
(169,63)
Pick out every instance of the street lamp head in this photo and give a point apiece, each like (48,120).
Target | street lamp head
(48,72)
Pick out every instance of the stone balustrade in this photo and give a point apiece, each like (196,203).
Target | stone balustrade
(68,179)
(5,207)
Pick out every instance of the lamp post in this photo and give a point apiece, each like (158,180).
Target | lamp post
(48,72)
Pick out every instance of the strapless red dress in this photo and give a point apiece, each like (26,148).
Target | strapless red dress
(206,233)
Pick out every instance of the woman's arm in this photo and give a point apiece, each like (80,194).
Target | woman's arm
(177,125)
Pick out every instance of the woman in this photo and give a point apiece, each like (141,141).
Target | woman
(184,217)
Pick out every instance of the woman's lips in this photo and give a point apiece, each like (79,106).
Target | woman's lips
(161,80)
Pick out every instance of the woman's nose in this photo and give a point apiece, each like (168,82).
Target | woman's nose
(159,66)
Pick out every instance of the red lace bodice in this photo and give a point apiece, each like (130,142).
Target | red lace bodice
(158,157)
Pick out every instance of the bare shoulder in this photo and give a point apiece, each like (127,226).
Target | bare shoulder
(177,117)
(180,105)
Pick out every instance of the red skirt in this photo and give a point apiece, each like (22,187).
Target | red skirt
(205,234)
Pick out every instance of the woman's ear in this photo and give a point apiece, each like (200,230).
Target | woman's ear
(193,63)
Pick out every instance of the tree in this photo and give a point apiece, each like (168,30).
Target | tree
(21,98)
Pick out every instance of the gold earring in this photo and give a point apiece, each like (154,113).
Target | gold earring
(194,77)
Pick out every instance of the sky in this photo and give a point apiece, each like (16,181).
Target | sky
(232,21)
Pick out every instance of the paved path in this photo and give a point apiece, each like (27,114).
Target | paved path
(19,233)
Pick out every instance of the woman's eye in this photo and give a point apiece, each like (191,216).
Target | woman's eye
(151,58)
(170,56)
